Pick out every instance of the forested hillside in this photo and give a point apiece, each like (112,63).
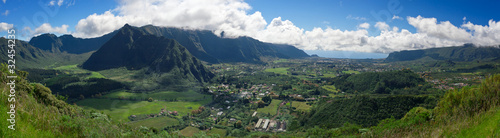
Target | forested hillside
(467,52)
(392,82)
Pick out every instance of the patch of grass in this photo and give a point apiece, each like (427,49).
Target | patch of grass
(189,131)
(351,72)
(157,122)
(277,70)
(329,75)
(220,132)
(271,108)
(95,75)
(330,88)
(280,60)
(74,69)
(120,110)
(488,126)
(161,95)
(67,67)
(120,74)
(301,106)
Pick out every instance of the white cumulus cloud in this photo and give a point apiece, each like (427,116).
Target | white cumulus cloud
(5,26)
(60,2)
(394,17)
(228,15)
(47,28)
(443,30)
(382,26)
(484,35)
(233,17)
(364,26)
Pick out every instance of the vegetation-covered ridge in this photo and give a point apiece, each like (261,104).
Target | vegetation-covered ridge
(471,111)
(391,82)
(68,43)
(133,49)
(467,52)
(41,114)
(28,56)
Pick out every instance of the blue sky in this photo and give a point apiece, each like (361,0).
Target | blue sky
(340,20)
(310,14)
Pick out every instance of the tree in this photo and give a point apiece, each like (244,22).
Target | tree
(238,124)
(261,104)
(267,99)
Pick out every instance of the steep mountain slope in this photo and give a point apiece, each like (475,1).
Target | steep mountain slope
(133,49)
(467,52)
(203,44)
(68,43)
(208,47)
(28,56)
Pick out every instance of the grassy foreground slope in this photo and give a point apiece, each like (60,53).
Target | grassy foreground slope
(467,112)
(38,113)
(41,114)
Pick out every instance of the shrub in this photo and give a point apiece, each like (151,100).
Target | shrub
(417,115)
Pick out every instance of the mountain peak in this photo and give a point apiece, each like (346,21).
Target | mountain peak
(139,50)
(128,26)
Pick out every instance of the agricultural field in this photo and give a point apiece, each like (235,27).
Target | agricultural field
(220,132)
(121,74)
(277,70)
(189,131)
(161,95)
(351,72)
(74,69)
(157,122)
(330,88)
(120,110)
(271,108)
(301,105)
(329,75)
(280,60)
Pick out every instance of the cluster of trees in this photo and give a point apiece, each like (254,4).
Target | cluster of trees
(38,75)
(362,110)
(75,88)
(392,82)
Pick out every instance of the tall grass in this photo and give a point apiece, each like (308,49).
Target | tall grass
(470,111)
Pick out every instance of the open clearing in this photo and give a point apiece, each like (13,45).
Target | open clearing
(157,122)
(277,70)
(189,131)
(120,110)
(161,95)
(301,105)
(271,108)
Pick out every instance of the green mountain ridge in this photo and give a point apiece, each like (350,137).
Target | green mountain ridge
(467,52)
(203,44)
(208,47)
(133,49)
(28,56)
(68,43)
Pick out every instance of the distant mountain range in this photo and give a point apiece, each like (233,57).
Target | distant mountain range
(210,48)
(467,52)
(28,56)
(203,44)
(68,43)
